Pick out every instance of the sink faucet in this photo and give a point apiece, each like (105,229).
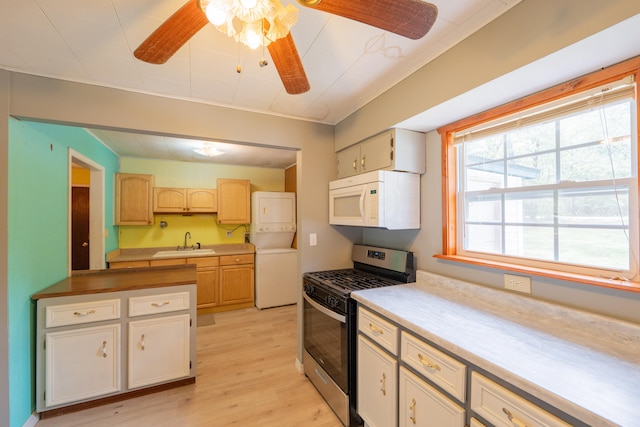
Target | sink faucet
(187,234)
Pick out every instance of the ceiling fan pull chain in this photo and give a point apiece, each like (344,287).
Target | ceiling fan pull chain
(238,67)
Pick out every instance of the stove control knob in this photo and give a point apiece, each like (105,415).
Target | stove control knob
(332,301)
(309,289)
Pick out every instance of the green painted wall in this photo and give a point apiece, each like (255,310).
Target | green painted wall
(38,230)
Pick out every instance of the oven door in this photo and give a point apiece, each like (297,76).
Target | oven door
(325,339)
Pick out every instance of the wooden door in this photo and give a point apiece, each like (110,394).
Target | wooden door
(80,228)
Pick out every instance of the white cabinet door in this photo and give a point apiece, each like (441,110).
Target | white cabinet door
(158,350)
(424,406)
(377,385)
(349,161)
(376,153)
(81,364)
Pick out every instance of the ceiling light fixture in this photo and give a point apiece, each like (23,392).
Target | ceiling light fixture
(254,23)
(208,150)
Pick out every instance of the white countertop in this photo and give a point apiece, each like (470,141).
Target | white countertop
(581,363)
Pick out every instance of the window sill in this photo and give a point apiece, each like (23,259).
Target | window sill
(623,285)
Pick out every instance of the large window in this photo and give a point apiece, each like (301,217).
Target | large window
(549,184)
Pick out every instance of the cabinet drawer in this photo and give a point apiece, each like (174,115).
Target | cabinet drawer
(476,423)
(151,304)
(502,407)
(236,259)
(165,262)
(210,261)
(84,312)
(434,365)
(381,331)
(129,264)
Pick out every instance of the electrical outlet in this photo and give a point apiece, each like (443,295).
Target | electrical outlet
(517,283)
(229,233)
(313,239)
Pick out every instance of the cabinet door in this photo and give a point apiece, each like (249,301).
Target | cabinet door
(422,405)
(81,364)
(234,201)
(236,284)
(169,200)
(376,153)
(202,200)
(377,385)
(158,350)
(349,161)
(134,199)
(207,287)
(207,271)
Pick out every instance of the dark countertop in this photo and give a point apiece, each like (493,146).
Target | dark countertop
(146,254)
(584,364)
(102,281)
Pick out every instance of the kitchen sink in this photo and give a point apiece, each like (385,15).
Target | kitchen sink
(183,253)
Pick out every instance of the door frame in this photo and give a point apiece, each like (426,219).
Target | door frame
(96,210)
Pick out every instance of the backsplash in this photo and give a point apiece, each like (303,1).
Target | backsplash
(203,229)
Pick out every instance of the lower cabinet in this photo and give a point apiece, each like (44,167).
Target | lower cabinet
(207,272)
(502,407)
(237,279)
(377,385)
(419,385)
(81,363)
(422,405)
(81,351)
(158,350)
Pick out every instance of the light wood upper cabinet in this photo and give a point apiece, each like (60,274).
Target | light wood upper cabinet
(134,194)
(185,200)
(234,201)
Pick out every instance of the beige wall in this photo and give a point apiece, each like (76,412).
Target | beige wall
(529,31)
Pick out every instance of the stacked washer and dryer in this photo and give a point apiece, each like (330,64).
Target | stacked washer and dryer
(273,227)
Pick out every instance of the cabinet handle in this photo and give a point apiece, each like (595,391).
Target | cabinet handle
(104,349)
(375,329)
(159,304)
(383,384)
(355,164)
(83,313)
(412,408)
(363,162)
(516,422)
(428,364)
(142,342)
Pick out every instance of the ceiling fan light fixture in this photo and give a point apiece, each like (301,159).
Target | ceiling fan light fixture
(238,18)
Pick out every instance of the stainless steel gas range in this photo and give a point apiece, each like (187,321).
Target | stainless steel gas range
(330,321)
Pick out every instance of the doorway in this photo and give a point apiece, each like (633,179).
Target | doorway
(86,247)
(79,227)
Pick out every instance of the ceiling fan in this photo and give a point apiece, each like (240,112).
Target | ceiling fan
(408,18)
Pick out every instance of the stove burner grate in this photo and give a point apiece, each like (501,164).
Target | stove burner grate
(348,280)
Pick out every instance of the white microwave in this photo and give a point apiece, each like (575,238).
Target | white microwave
(382,199)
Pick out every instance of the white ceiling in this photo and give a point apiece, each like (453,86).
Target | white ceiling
(347,63)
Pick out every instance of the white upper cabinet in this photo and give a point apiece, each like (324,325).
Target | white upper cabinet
(394,149)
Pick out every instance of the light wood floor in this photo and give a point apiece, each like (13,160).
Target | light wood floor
(246,376)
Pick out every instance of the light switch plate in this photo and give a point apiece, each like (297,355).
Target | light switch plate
(313,239)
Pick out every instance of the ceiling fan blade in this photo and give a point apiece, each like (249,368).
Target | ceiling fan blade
(289,65)
(409,18)
(172,34)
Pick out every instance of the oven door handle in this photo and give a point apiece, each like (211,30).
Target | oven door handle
(340,318)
